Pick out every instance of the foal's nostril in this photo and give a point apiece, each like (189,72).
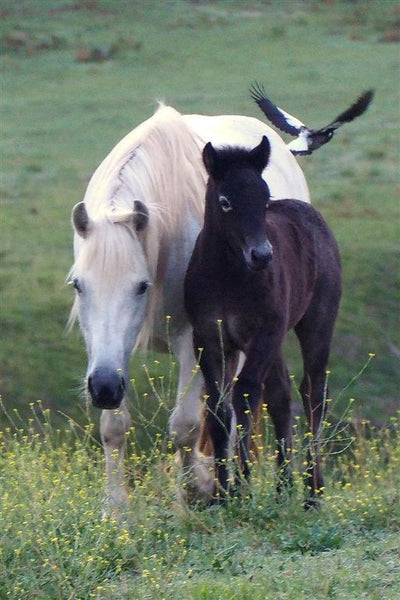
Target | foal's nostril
(261,257)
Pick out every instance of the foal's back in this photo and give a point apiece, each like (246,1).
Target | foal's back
(306,257)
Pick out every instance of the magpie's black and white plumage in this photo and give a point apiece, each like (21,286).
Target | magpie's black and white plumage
(307,140)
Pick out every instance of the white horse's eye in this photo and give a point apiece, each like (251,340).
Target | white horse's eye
(225,204)
(142,287)
(77,286)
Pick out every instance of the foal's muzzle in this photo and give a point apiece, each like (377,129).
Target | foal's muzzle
(258,257)
(106,388)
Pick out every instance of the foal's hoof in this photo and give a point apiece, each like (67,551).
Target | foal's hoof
(222,495)
(218,500)
(314,503)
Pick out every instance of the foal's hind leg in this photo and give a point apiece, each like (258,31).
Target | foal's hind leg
(277,397)
(315,345)
(114,424)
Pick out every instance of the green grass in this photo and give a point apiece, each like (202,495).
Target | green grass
(60,117)
(54,544)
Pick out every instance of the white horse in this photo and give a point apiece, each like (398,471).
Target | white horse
(134,235)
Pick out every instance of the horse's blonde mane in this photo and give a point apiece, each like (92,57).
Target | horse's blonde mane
(158,163)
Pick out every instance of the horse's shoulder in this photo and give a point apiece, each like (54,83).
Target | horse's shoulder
(296,211)
(302,227)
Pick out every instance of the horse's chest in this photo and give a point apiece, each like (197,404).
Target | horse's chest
(242,311)
(233,302)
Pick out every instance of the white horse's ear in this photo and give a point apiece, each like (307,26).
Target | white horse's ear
(209,158)
(140,215)
(259,156)
(80,219)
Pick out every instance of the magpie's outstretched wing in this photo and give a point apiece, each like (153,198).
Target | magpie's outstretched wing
(355,110)
(278,117)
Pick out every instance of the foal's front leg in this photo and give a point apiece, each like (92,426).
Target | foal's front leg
(245,400)
(218,372)
(248,390)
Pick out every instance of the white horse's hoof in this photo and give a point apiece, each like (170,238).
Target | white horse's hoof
(115,504)
(196,481)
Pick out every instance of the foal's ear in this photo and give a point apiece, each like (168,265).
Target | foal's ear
(140,215)
(259,156)
(209,158)
(80,219)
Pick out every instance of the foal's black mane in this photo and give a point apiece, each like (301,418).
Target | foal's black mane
(233,157)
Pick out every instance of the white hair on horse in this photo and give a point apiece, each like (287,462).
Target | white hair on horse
(169,192)
(109,249)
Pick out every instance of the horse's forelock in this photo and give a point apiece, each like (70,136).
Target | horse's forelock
(108,250)
(120,217)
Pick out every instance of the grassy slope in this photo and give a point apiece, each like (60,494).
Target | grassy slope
(60,117)
(53,543)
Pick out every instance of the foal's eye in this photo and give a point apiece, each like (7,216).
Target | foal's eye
(225,204)
(142,287)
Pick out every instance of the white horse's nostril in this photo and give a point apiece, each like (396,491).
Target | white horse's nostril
(106,388)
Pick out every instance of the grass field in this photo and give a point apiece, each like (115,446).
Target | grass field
(61,116)
(76,76)
(54,545)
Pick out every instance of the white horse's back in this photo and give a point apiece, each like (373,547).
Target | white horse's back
(283,174)
(167,129)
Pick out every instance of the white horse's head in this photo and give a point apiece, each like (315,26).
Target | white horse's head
(111,279)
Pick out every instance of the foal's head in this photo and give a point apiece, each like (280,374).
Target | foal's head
(237,199)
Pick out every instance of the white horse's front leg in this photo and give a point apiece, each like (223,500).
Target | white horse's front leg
(185,425)
(114,424)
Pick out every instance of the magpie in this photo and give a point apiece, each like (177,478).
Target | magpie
(307,140)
